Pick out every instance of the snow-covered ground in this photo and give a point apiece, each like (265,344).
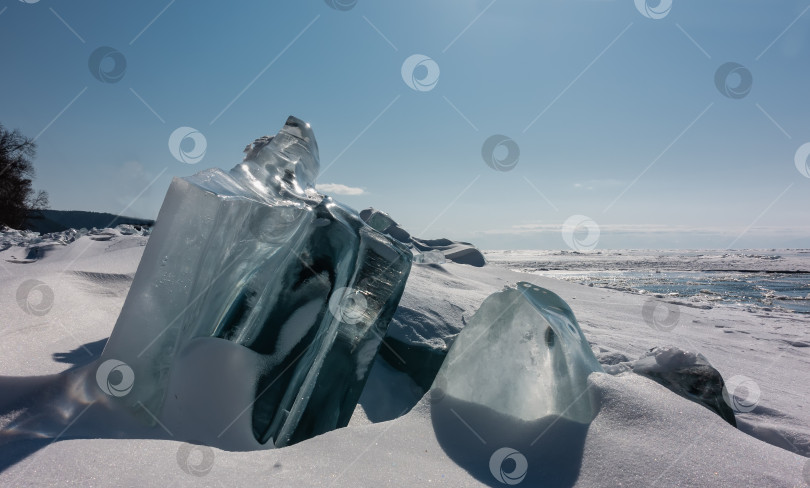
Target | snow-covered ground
(59,303)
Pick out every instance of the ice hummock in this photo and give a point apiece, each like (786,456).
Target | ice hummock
(522,354)
(435,251)
(258,258)
(686,373)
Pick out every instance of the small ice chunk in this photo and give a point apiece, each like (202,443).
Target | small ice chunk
(430,257)
(377,219)
(688,374)
(458,252)
(522,354)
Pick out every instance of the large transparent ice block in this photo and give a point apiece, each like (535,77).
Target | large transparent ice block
(257,257)
(522,354)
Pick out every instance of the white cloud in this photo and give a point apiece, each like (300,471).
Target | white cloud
(338,189)
(603,183)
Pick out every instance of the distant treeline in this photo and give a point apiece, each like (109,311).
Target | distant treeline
(59,220)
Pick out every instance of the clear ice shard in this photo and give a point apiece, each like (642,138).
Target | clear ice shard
(258,258)
(430,257)
(522,354)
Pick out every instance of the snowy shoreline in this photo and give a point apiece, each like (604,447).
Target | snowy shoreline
(643,435)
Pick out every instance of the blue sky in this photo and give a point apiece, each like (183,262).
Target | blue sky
(617,115)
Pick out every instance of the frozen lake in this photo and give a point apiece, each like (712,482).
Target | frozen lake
(766,280)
